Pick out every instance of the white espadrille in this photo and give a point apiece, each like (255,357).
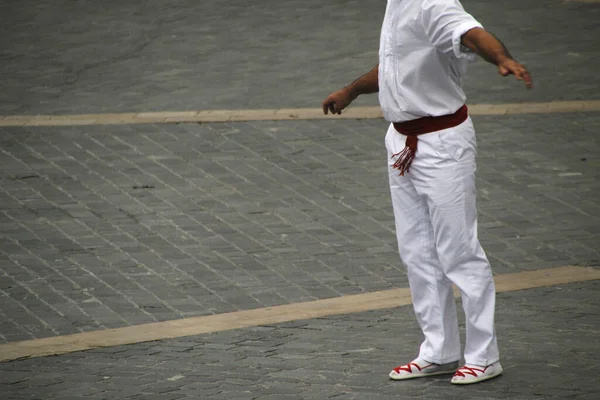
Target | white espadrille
(475,373)
(420,368)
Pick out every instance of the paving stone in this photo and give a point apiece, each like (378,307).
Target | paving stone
(346,356)
(60,73)
(109,226)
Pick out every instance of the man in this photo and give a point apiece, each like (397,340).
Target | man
(424,50)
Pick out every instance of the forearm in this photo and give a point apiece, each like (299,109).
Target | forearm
(493,51)
(368,83)
(339,100)
(486,45)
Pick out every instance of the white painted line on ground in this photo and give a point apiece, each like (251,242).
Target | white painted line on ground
(270,315)
(286,114)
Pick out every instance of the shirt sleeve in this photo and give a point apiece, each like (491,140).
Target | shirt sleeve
(445,21)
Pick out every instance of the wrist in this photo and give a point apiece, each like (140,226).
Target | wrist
(503,59)
(351,91)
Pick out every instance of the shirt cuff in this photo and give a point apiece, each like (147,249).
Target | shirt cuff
(461,51)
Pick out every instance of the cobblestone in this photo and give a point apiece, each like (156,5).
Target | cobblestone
(260,227)
(109,226)
(541,332)
(229,55)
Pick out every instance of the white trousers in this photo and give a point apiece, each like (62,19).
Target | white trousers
(436,225)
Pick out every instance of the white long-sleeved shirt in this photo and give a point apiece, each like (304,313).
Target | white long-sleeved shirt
(421,59)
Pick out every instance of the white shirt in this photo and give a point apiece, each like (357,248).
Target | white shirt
(421,59)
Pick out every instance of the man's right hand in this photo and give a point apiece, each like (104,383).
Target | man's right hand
(337,101)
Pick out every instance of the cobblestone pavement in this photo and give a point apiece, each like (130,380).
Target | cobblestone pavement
(110,226)
(548,340)
(72,57)
(107,226)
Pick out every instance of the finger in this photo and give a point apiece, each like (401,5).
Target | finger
(502,70)
(528,80)
(332,107)
(522,75)
(518,73)
(327,105)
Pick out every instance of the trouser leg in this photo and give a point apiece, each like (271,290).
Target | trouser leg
(432,294)
(444,175)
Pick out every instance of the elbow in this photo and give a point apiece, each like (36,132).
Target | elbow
(472,37)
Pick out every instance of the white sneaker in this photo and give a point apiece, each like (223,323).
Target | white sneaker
(420,368)
(475,373)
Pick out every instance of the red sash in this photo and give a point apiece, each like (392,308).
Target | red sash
(416,127)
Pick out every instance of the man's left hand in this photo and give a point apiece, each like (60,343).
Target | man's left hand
(511,67)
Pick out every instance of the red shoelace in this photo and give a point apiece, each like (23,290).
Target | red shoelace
(469,371)
(408,367)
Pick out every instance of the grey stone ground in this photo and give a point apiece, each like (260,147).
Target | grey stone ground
(109,226)
(548,342)
(85,56)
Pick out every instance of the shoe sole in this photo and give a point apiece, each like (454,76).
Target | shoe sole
(414,376)
(477,380)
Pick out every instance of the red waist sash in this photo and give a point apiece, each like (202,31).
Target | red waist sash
(416,127)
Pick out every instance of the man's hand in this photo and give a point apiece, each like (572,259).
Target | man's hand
(337,101)
(511,67)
